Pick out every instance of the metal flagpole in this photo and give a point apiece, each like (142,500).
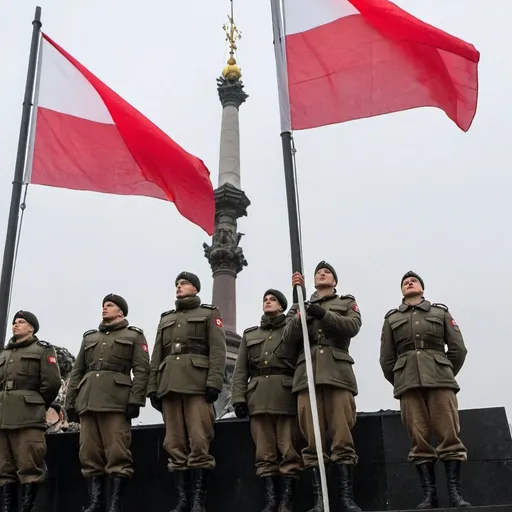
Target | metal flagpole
(293,219)
(17,184)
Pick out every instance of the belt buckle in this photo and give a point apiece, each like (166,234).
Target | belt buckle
(176,348)
(265,370)
(419,344)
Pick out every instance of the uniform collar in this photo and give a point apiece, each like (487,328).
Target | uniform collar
(12,343)
(317,298)
(425,306)
(113,327)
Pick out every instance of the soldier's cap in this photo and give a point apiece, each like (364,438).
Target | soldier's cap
(118,301)
(278,295)
(324,264)
(191,278)
(29,317)
(412,274)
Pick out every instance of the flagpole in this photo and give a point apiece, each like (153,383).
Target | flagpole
(294,228)
(17,184)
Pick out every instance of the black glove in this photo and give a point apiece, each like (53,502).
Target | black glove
(316,311)
(211,395)
(132,411)
(156,403)
(72,415)
(241,410)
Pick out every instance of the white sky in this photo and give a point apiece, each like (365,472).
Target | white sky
(378,196)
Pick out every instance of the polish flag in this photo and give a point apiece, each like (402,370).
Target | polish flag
(88,138)
(350,59)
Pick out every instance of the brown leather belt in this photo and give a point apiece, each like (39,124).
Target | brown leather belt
(109,367)
(269,370)
(409,346)
(10,385)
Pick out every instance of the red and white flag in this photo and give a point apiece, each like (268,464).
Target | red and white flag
(340,60)
(88,138)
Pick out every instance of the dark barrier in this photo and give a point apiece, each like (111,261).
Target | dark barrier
(383,479)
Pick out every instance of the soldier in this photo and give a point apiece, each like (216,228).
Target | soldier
(332,321)
(267,398)
(29,383)
(104,397)
(414,361)
(187,373)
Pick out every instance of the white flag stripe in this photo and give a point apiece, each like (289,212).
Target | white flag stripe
(65,90)
(302,15)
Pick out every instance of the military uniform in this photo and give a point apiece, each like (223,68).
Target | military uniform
(335,385)
(262,388)
(29,382)
(187,374)
(422,350)
(104,395)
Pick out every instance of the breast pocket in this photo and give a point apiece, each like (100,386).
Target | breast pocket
(29,364)
(254,348)
(122,348)
(89,352)
(434,326)
(196,327)
(401,329)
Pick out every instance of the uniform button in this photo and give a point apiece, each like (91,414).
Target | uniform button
(103,343)
(414,312)
(178,338)
(266,362)
(270,337)
(321,351)
(266,376)
(266,353)
(417,351)
(319,330)
(179,325)
(177,344)
(270,330)
(97,375)
(11,360)
(108,332)
(178,358)
(417,335)
(101,358)
(416,322)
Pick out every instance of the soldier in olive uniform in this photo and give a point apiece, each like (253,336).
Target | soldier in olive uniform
(104,396)
(187,374)
(332,321)
(414,360)
(267,398)
(29,383)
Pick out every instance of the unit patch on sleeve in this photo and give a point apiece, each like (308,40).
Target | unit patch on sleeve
(218,322)
(52,359)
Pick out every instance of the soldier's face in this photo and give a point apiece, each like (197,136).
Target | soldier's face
(21,328)
(411,287)
(111,311)
(324,278)
(185,288)
(271,305)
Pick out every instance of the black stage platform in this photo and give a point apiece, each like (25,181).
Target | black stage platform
(383,479)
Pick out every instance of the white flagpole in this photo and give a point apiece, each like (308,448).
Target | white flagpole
(284,104)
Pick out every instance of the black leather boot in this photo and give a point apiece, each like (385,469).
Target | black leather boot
(182,486)
(10,503)
(117,491)
(317,490)
(28,497)
(452,468)
(271,493)
(345,481)
(427,474)
(96,488)
(288,486)
(201,478)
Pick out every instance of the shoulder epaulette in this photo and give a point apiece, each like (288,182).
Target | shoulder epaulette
(91,331)
(390,312)
(249,329)
(167,312)
(209,306)
(136,329)
(348,297)
(439,305)
(44,343)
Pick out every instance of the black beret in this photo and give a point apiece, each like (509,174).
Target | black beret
(191,278)
(57,407)
(29,317)
(412,274)
(324,264)
(278,295)
(118,301)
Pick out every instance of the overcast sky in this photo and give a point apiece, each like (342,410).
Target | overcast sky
(378,196)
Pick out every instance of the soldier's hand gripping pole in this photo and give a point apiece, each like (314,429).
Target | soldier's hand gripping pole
(312,399)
